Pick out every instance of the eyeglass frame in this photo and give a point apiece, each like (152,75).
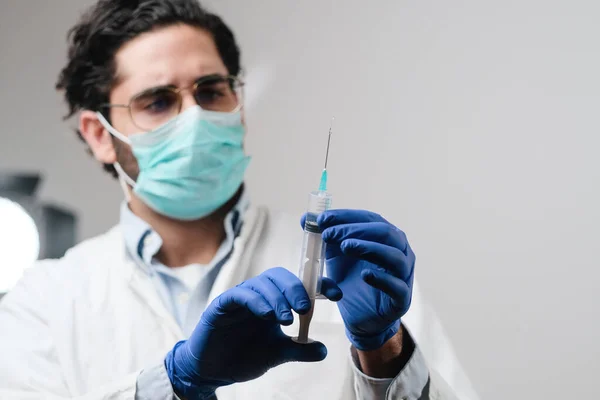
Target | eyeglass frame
(232,78)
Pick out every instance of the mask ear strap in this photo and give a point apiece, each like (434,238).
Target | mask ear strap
(112,130)
(123,175)
(125,189)
(124,179)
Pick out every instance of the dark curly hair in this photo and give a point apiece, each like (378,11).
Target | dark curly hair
(89,75)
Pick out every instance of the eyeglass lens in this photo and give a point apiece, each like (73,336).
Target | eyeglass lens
(153,108)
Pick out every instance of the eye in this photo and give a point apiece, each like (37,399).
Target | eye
(216,93)
(156,103)
(160,103)
(209,94)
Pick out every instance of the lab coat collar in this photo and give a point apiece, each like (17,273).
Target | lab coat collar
(232,272)
(248,223)
(142,242)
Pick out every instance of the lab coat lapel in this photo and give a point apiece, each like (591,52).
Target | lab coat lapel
(142,286)
(235,269)
(232,272)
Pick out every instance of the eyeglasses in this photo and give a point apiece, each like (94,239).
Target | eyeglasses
(153,107)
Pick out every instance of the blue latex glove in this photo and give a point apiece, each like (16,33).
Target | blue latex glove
(372,262)
(239,336)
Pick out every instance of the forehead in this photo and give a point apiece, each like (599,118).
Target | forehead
(176,55)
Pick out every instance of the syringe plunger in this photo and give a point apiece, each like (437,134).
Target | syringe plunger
(313,256)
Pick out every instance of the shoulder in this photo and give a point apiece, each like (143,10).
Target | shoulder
(101,246)
(281,230)
(51,289)
(87,261)
(282,225)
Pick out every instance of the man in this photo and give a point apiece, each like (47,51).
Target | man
(184,297)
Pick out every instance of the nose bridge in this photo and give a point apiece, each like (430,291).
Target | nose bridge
(187,97)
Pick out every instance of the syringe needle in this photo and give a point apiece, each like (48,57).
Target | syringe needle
(328,141)
(323,183)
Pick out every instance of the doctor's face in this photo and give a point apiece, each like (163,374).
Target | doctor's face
(174,59)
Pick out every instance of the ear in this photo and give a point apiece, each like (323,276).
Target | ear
(98,138)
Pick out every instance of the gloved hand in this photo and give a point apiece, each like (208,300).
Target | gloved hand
(372,262)
(239,336)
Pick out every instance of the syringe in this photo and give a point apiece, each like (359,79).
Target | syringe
(313,248)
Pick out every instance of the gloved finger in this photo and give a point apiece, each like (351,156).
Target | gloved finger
(288,350)
(291,287)
(267,289)
(243,298)
(410,254)
(387,257)
(330,289)
(338,217)
(380,232)
(397,289)
(333,250)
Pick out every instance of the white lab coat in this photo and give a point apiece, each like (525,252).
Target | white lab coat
(85,326)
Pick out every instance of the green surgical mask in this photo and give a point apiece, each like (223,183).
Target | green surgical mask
(191,165)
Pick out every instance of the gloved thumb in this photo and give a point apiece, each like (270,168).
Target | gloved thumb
(292,351)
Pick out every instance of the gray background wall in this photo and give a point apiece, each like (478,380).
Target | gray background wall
(473,125)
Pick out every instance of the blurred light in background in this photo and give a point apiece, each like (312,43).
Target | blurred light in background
(20,243)
(29,229)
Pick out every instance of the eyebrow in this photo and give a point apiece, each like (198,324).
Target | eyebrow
(155,89)
(152,90)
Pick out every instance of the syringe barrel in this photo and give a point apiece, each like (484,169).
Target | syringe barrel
(312,262)
(318,202)
(313,248)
